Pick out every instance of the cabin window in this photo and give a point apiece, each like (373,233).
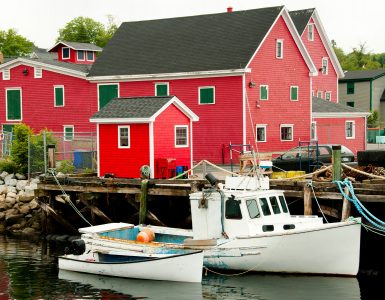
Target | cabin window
(38,72)
(267,228)
(286,132)
(69,132)
(310,32)
(14,104)
(90,56)
(294,93)
(181,136)
(350,88)
(279,49)
(161,89)
(319,94)
(264,206)
(350,103)
(283,204)
(328,96)
(288,226)
(6,74)
(261,133)
(233,209)
(263,92)
(313,131)
(253,209)
(65,53)
(206,95)
(59,96)
(349,129)
(124,136)
(275,205)
(324,66)
(81,55)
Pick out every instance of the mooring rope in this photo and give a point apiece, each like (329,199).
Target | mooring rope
(310,184)
(229,275)
(362,172)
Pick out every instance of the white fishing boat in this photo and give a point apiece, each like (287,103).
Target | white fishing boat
(245,226)
(171,265)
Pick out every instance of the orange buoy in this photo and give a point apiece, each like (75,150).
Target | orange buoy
(146,235)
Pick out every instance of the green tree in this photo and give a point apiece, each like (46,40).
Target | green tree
(13,44)
(373,119)
(19,151)
(87,30)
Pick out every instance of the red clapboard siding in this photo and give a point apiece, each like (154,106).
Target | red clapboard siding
(38,109)
(332,131)
(317,51)
(123,162)
(164,136)
(279,75)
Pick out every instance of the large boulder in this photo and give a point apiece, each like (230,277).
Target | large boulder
(20,176)
(24,209)
(3,189)
(11,182)
(23,197)
(21,184)
(13,219)
(33,204)
(3,175)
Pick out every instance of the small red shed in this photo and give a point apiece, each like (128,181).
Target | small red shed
(132,132)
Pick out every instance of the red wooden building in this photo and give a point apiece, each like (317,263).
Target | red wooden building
(153,131)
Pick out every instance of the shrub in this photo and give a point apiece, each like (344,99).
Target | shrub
(65,166)
(19,150)
(8,165)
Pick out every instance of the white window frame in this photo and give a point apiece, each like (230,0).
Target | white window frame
(175,137)
(292,87)
(93,55)
(6,74)
(38,72)
(128,134)
(84,55)
(64,132)
(330,95)
(319,94)
(21,103)
(353,136)
(325,66)
(54,95)
(168,88)
(279,45)
(62,53)
(313,131)
(286,126)
(262,126)
(199,94)
(267,90)
(310,32)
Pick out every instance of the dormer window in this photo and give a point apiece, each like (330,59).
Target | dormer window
(38,73)
(324,66)
(279,49)
(6,74)
(310,32)
(81,55)
(90,56)
(65,51)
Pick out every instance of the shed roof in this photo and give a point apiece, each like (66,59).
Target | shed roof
(324,107)
(363,75)
(76,46)
(222,41)
(301,18)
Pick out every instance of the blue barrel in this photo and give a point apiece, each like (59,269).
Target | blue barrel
(82,159)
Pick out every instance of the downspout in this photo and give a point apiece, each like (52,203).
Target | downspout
(370,91)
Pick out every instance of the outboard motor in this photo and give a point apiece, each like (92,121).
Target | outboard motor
(77,247)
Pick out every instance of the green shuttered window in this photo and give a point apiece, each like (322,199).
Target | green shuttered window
(350,88)
(161,89)
(107,92)
(59,95)
(263,92)
(294,93)
(14,104)
(206,95)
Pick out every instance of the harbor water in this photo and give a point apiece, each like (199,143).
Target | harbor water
(28,270)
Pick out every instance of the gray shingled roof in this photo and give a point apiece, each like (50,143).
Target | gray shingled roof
(198,43)
(301,18)
(322,106)
(54,62)
(362,75)
(127,108)
(82,46)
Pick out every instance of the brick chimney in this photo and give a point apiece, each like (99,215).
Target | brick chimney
(1,58)
(229,9)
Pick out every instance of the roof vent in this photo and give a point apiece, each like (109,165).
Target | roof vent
(229,9)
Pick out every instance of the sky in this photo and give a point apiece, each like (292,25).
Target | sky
(348,22)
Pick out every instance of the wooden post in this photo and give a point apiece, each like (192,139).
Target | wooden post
(346,206)
(51,156)
(143,201)
(308,210)
(336,161)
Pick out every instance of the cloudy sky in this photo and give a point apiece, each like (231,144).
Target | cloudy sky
(348,22)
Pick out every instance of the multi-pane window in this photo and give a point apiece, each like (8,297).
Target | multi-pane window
(286,132)
(124,136)
(279,49)
(81,55)
(181,136)
(14,104)
(263,92)
(294,93)
(6,74)
(350,103)
(350,88)
(90,56)
(324,65)
(319,94)
(313,131)
(328,96)
(38,72)
(69,132)
(310,32)
(161,89)
(59,95)
(349,130)
(261,133)
(206,95)
(65,53)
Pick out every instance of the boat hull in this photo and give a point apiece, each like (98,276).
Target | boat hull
(183,267)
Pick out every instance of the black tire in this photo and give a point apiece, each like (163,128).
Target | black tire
(371,157)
